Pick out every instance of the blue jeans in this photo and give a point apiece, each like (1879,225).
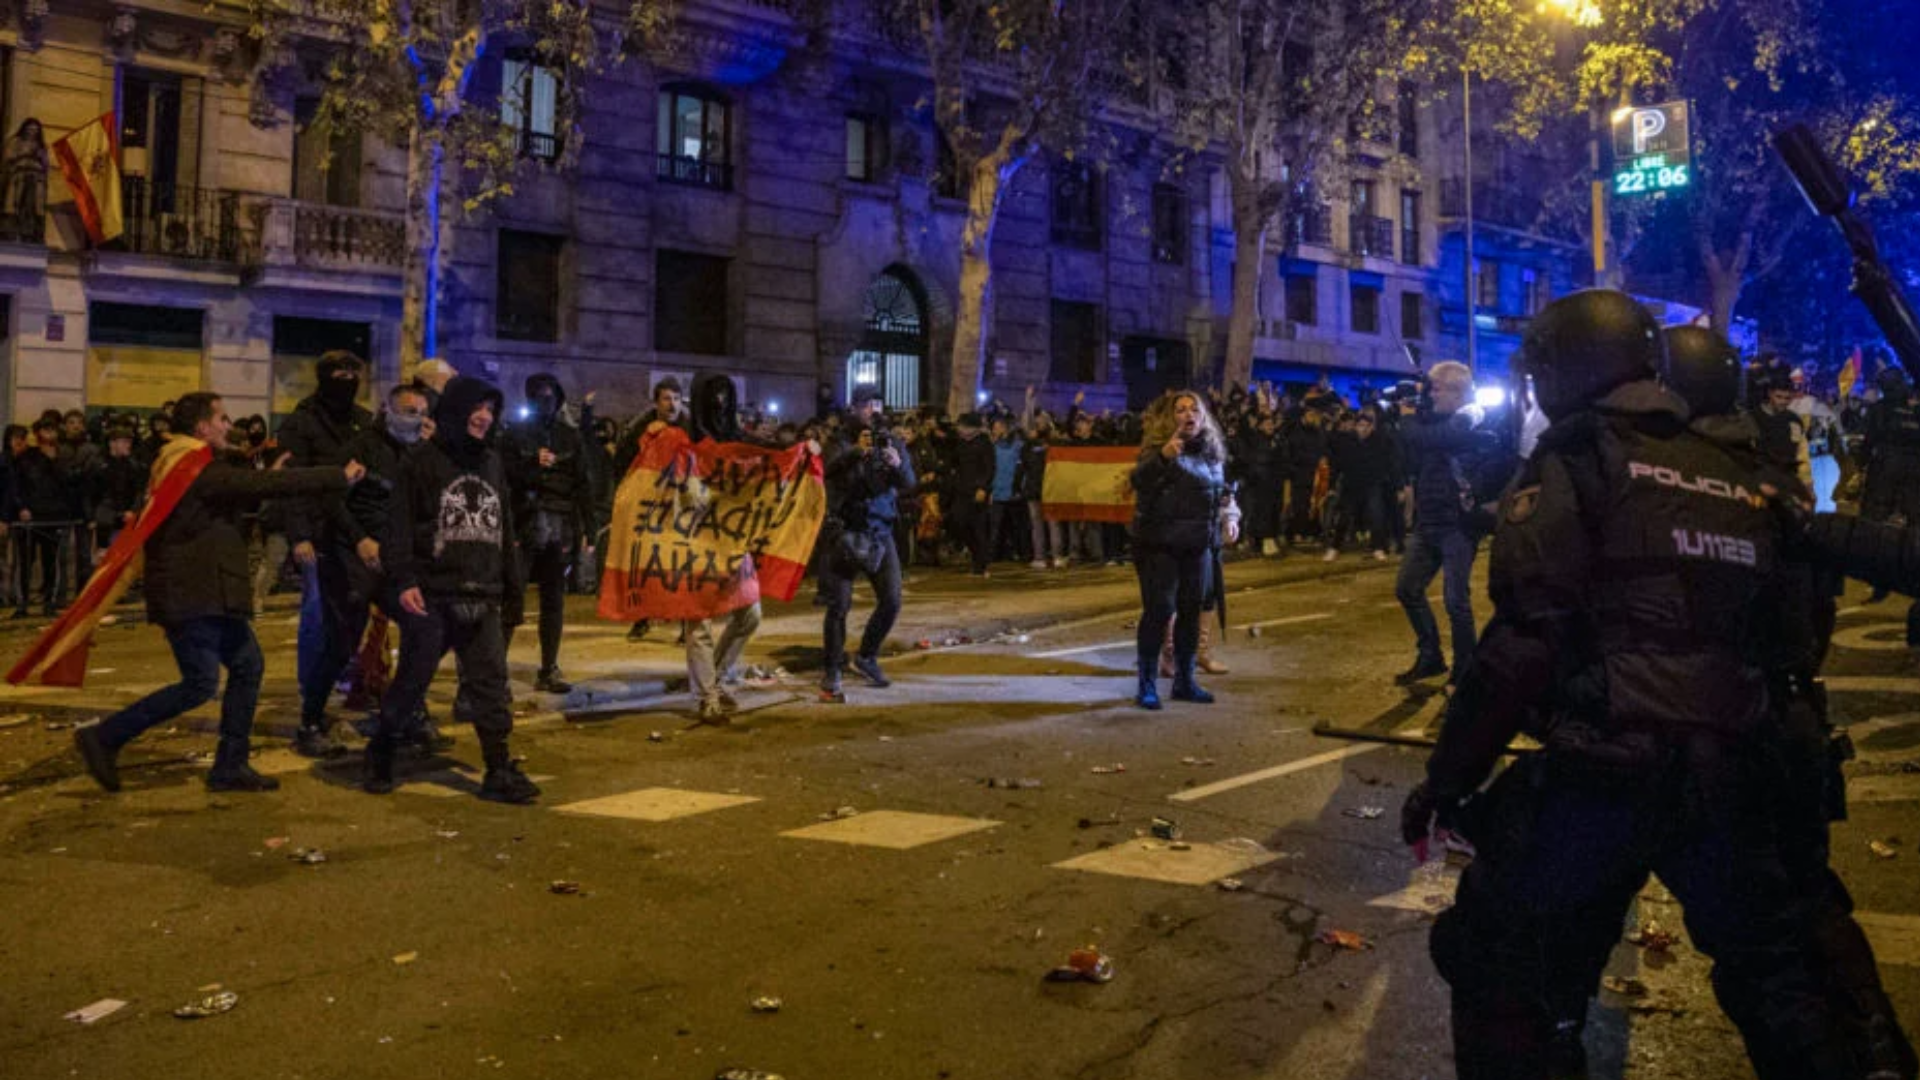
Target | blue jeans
(1449,552)
(201,647)
(836,584)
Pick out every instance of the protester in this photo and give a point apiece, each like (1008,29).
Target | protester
(196,590)
(709,665)
(451,562)
(970,491)
(553,504)
(667,409)
(45,510)
(120,489)
(866,475)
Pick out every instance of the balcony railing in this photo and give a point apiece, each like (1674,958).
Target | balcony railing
(179,221)
(1369,235)
(695,173)
(1410,246)
(1311,226)
(534,144)
(315,236)
(26,228)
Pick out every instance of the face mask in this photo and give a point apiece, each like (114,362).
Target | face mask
(338,394)
(405,429)
(543,406)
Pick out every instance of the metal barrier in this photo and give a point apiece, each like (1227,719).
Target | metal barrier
(66,562)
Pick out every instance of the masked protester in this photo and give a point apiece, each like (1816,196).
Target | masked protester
(317,434)
(668,408)
(361,535)
(553,504)
(449,556)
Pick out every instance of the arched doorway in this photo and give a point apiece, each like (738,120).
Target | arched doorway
(892,353)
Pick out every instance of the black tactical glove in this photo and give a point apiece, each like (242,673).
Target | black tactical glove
(1424,814)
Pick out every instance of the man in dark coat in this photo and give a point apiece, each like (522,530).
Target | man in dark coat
(1258,463)
(41,501)
(970,491)
(553,502)
(1306,452)
(316,434)
(199,591)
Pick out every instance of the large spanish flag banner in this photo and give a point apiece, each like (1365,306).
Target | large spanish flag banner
(59,656)
(1089,483)
(703,528)
(89,159)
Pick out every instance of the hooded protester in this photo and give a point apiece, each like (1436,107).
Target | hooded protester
(317,434)
(715,416)
(553,503)
(450,562)
(362,534)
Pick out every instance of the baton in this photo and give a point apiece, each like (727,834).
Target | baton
(1325,730)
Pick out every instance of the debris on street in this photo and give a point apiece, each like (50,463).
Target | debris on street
(1084,965)
(1343,939)
(308,856)
(211,1005)
(840,813)
(406,957)
(655,736)
(1230,884)
(1179,845)
(1165,829)
(1024,783)
(99,1010)
(766,1004)
(1108,770)
(1624,986)
(746,1074)
(446,834)
(1365,813)
(275,843)
(1196,761)
(565,888)
(1883,848)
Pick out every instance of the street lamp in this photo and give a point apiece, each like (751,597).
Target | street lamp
(1584,13)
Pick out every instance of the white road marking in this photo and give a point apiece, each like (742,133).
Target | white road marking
(1872,684)
(895,829)
(1155,860)
(1430,889)
(1873,637)
(1895,938)
(1131,642)
(656,804)
(1232,782)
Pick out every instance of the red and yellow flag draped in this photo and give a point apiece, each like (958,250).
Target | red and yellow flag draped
(89,159)
(59,656)
(703,528)
(1089,483)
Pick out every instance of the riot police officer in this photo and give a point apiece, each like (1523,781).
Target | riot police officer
(1630,563)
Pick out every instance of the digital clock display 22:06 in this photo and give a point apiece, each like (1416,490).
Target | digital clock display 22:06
(1650,174)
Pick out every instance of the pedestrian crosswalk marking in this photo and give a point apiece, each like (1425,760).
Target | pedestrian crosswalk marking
(892,829)
(656,804)
(1157,860)
(1430,888)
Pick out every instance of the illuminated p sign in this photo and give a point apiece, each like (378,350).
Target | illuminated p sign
(1647,125)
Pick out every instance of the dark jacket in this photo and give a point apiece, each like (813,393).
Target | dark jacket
(368,505)
(1364,464)
(863,490)
(1030,479)
(1177,502)
(197,559)
(562,492)
(1442,454)
(315,436)
(119,489)
(40,486)
(970,468)
(452,511)
(1306,448)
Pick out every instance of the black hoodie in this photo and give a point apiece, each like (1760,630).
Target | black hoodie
(563,489)
(452,531)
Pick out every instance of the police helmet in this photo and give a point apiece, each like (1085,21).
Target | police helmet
(1585,344)
(1703,369)
(1893,385)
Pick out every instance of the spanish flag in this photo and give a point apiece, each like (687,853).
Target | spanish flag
(703,528)
(1850,374)
(59,656)
(1089,483)
(89,159)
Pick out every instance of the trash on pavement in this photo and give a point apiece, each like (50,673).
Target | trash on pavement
(1179,845)
(565,888)
(1364,813)
(61,725)
(1021,784)
(1881,848)
(767,1004)
(1245,845)
(1230,884)
(1624,986)
(746,1074)
(840,813)
(1165,829)
(308,856)
(923,644)
(1108,770)
(446,834)
(405,957)
(1343,939)
(99,1010)
(656,736)
(1084,965)
(275,843)
(1200,761)
(1653,937)
(211,1005)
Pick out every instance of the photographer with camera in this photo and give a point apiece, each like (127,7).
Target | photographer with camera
(1451,462)
(866,474)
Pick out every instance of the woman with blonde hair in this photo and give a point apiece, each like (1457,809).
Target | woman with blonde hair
(1182,512)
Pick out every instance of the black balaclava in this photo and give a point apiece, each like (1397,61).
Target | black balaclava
(544,397)
(457,401)
(337,394)
(712,408)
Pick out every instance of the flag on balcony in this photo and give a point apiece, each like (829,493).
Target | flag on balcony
(59,656)
(89,159)
(703,528)
(1089,483)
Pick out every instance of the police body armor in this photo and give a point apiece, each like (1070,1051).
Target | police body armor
(1684,545)
(1892,484)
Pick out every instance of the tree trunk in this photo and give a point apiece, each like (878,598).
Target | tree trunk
(1249,263)
(974,312)
(422,269)
(1726,286)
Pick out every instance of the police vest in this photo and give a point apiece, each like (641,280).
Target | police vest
(1684,545)
(1897,428)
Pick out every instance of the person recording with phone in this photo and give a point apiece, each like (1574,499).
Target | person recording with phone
(866,475)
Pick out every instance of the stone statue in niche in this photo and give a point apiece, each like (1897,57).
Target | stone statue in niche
(23,212)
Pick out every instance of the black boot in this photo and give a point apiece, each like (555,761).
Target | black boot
(1424,667)
(97,756)
(379,778)
(1149,696)
(504,782)
(232,773)
(315,740)
(548,681)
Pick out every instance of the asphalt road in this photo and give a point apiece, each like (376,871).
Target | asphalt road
(908,939)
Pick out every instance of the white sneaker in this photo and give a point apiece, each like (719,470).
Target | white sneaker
(1269,548)
(1331,555)
(1379,556)
(1037,564)
(1059,562)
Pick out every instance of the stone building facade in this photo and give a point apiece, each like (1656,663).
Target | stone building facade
(740,204)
